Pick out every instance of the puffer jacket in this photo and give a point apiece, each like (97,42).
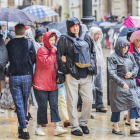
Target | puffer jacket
(45,73)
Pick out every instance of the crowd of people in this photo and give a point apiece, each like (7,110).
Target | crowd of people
(66,70)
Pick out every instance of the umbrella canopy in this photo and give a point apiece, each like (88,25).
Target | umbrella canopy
(132,21)
(118,25)
(60,26)
(104,24)
(40,11)
(16,15)
(110,25)
(126,31)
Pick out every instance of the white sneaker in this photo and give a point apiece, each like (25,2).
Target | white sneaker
(1,110)
(128,123)
(39,132)
(58,131)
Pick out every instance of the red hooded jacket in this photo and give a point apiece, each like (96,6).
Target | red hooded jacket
(45,74)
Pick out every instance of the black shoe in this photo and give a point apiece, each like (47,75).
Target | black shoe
(92,117)
(19,131)
(132,132)
(24,135)
(29,116)
(101,110)
(85,129)
(77,132)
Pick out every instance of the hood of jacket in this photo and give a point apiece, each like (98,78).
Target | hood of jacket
(46,38)
(120,44)
(70,22)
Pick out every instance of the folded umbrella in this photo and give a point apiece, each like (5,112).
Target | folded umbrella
(40,11)
(132,21)
(16,15)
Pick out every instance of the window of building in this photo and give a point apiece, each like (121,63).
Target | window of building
(41,2)
(11,2)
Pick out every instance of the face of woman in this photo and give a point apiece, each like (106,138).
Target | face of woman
(75,29)
(137,42)
(125,50)
(97,36)
(52,41)
(3,27)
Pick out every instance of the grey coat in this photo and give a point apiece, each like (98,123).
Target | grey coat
(122,99)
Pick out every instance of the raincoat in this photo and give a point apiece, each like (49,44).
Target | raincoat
(122,99)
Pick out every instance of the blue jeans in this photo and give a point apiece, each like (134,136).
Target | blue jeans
(133,115)
(20,87)
(42,97)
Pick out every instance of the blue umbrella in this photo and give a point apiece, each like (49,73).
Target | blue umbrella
(126,31)
(40,11)
(16,15)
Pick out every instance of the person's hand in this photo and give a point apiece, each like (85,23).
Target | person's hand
(63,58)
(125,86)
(128,75)
(7,80)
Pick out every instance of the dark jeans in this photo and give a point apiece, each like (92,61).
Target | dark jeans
(134,113)
(20,87)
(42,97)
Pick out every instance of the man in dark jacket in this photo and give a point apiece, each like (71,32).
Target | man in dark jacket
(22,56)
(72,51)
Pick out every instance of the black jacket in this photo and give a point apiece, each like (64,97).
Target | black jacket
(22,56)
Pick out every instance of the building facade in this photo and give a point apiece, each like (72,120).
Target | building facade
(10,3)
(101,8)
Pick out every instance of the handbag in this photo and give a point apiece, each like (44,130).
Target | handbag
(60,77)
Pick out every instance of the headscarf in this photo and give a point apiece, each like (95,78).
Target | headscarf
(135,35)
(29,34)
(97,44)
(4,33)
(93,31)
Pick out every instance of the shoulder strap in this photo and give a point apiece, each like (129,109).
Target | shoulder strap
(29,44)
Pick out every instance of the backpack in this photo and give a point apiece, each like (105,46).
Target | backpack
(82,55)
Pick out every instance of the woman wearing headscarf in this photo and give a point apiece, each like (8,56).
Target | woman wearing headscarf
(97,36)
(123,69)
